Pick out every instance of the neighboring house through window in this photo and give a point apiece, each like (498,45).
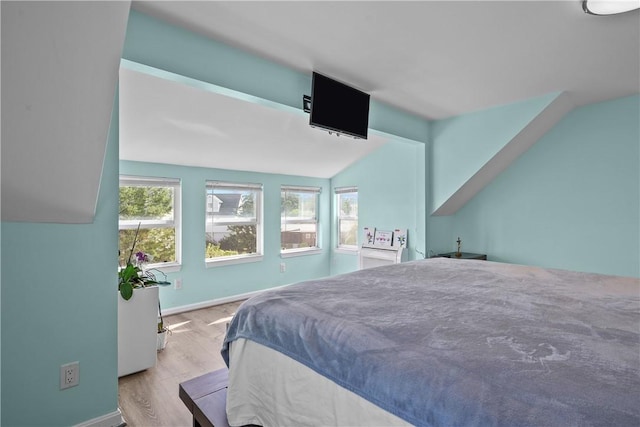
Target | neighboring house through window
(151,207)
(233,222)
(299,219)
(347,217)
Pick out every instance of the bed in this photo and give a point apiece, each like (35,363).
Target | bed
(439,342)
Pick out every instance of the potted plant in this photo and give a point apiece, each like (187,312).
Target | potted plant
(163,331)
(132,276)
(138,301)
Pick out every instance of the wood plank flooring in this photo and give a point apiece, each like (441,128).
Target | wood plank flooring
(150,398)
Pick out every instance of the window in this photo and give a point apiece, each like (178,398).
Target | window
(347,212)
(233,222)
(299,218)
(153,206)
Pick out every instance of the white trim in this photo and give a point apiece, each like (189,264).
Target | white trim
(299,189)
(289,253)
(240,259)
(247,221)
(132,224)
(339,217)
(175,223)
(345,190)
(351,250)
(229,185)
(113,419)
(255,221)
(213,302)
(148,181)
(165,267)
(297,220)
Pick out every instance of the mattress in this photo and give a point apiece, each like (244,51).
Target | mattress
(271,389)
(458,342)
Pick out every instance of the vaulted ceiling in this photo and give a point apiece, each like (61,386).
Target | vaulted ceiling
(433,59)
(163,121)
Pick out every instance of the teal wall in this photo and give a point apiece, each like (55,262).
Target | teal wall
(571,201)
(201,284)
(463,144)
(154,43)
(58,281)
(59,305)
(391,194)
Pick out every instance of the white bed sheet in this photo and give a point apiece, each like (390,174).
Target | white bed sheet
(269,389)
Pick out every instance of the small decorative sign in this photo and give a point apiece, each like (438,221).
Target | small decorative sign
(400,237)
(383,238)
(369,234)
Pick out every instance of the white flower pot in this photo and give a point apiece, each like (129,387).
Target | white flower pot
(162,340)
(137,330)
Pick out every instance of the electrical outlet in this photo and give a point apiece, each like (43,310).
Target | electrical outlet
(283,267)
(177,284)
(69,375)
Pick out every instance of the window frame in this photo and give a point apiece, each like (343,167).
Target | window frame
(176,223)
(286,253)
(338,191)
(258,223)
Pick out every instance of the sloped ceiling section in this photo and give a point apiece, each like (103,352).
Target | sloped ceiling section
(203,125)
(456,182)
(60,64)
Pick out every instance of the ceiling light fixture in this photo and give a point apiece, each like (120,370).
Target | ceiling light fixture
(609,7)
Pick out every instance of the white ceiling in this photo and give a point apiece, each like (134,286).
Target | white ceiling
(163,121)
(436,59)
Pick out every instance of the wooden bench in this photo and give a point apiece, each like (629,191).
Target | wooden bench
(206,397)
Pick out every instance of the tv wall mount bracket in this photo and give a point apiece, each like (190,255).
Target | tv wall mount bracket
(306,103)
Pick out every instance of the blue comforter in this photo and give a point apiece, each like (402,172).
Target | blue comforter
(444,342)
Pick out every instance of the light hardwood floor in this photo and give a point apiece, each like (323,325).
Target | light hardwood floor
(150,398)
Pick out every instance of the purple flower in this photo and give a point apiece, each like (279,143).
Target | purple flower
(142,257)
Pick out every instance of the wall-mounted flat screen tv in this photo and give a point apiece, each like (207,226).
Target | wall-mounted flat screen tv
(339,108)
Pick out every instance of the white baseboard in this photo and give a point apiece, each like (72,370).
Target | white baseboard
(114,419)
(211,303)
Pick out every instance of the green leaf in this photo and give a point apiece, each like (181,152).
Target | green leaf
(126,290)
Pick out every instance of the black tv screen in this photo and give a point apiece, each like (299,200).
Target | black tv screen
(338,107)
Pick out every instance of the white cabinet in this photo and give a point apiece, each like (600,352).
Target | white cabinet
(382,247)
(137,330)
(378,256)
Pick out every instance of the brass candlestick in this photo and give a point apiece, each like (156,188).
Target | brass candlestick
(458,253)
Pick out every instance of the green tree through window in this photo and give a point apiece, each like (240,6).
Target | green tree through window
(152,206)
